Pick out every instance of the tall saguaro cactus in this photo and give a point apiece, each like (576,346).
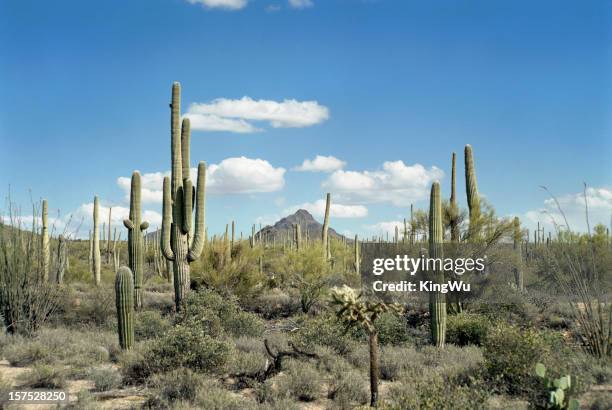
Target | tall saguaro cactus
(517,237)
(298,237)
(357,262)
(62,260)
(96,259)
(325,235)
(124,300)
(178,202)
(44,237)
(437,301)
(473,199)
(135,228)
(454,209)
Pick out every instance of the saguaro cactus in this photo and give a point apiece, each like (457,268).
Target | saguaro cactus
(454,209)
(124,300)
(518,273)
(298,237)
(108,239)
(61,259)
(177,245)
(473,199)
(357,262)
(325,236)
(437,301)
(135,228)
(44,237)
(96,260)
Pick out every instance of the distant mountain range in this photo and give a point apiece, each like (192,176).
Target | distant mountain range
(279,230)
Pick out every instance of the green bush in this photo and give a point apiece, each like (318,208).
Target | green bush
(26,353)
(467,329)
(149,324)
(44,376)
(300,380)
(324,330)
(347,387)
(510,357)
(105,379)
(392,329)
(184,346)
(274,304)
(179,384)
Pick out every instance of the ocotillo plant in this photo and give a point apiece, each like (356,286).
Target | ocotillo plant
(61,259)
(473,199)
(355,311)
(177,246)
(437,301)
(325,236)
(95,256)
(135,227)
(518,272)
(454,209)
(124,300)
(44,237)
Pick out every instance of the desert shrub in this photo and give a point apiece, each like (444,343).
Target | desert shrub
(96,307)
(248,363)
(505,304)
(467,329)
(179,384)
(273,304)
(510,357)
(185,346)
(134,365)
(159,302)
(27,352)
(209,310)
(346,387)
(214,397)
(393,360)
(392,329)
(105,379)
(85,401)
(149,324)
(300,380)
(44,376)
(323,330)
(432,391)
(599,401)
(5,388)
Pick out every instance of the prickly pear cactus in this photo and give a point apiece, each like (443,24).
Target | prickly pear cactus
(124,300)
(135,229)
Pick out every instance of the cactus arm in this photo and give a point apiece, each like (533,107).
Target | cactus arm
(185,144)
(128,224)
(176,152)
(187,204)
(144,226)
(166,222)
(200,216)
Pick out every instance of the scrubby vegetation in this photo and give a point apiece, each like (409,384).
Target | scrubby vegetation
(279,320)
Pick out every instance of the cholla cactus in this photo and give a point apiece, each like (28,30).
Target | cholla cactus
(356,311)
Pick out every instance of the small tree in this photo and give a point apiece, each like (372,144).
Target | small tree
(356,311)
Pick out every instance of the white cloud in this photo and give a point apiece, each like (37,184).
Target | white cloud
(239,175)
(321,164)
(573,206)
(243,176)
(222,4)
(317,209)
(397,183)
(300,4)
(118,214)
(386,227)
(225,114)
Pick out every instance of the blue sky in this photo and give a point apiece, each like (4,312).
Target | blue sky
(86,86)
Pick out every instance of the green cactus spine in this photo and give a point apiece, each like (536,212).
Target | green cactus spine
(437,301)
(325,233)
(177,245)
(135,227)
(124,300)
(62,260)
(518,272)
(454,209)
(44,237)
(96,258)
(473,199)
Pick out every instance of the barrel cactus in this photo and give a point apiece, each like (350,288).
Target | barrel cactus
(124,300)
(437,300)
(135,228)
(178,199)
